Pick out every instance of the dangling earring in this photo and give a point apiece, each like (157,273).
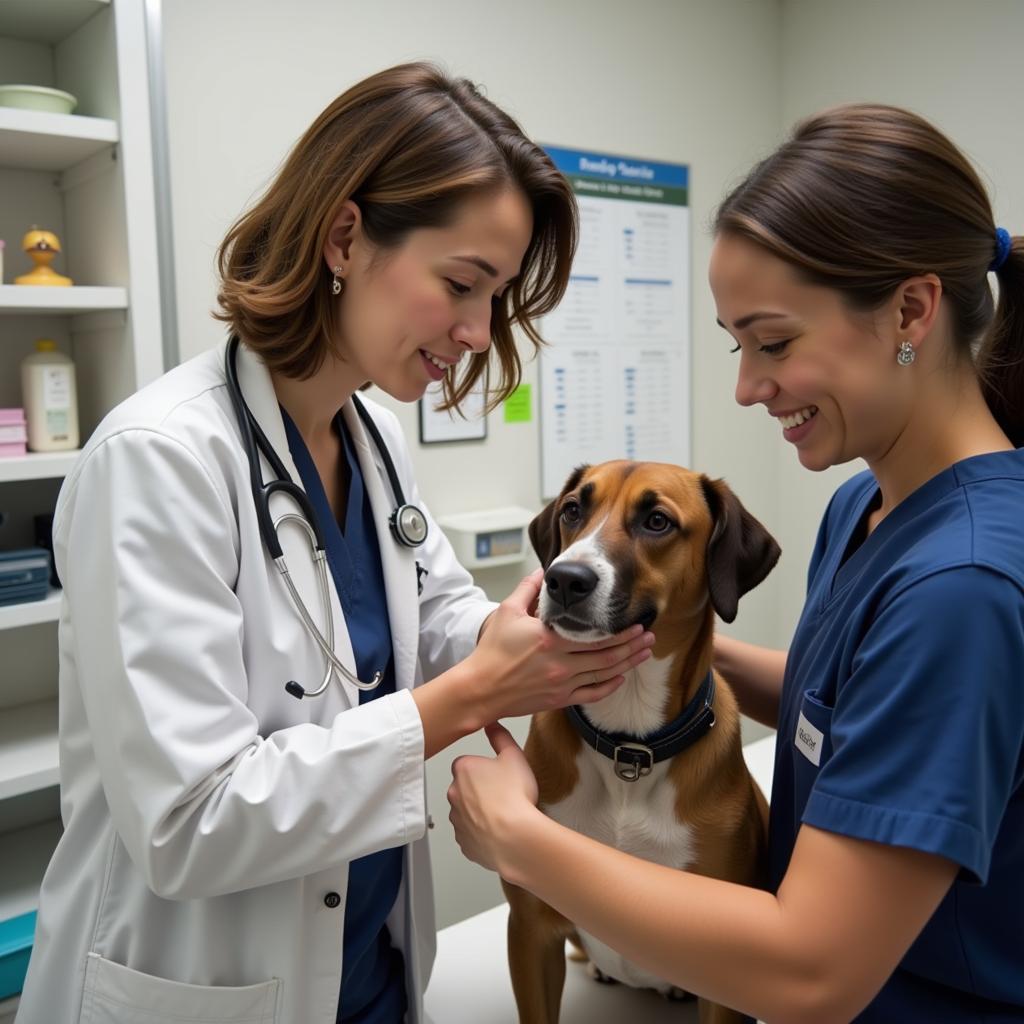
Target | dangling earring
(336,283)
(906,354)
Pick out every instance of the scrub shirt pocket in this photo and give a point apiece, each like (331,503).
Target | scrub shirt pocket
(811,746)
(115,994)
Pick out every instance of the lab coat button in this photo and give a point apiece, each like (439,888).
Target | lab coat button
(332,900)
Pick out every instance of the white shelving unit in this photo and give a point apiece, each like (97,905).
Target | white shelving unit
(31,613)
(36,466)
(42,141)
(88,177)
(19,299)
(22,864)
(28,749)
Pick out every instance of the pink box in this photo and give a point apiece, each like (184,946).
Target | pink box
(13,449)
(16,433)
(11,417)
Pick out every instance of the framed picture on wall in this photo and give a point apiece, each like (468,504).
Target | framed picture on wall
(440,427)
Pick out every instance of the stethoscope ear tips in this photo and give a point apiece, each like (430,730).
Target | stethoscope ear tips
(292,687)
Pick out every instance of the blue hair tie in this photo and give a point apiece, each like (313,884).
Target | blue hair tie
(1003,243)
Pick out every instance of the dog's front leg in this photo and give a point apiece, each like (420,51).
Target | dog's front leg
(712,1013)
(536,956)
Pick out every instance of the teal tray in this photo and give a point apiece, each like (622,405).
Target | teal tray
(15,947)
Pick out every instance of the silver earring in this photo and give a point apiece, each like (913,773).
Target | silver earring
(336,283)
(906,354)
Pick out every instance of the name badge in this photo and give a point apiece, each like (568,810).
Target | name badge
(808,740)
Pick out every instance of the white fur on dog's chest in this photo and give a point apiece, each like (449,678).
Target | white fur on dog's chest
(635,817)
(638,818)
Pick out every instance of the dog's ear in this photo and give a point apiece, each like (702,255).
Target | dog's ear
(741,552)
(545,535)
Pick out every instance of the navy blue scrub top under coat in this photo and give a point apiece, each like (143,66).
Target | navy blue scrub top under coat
(902,721)
(373,973)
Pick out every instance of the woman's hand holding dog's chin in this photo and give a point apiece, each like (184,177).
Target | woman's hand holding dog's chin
(493,801)
(521,667)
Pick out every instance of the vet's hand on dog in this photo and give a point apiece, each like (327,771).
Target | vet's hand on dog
(491,799)
(529,668)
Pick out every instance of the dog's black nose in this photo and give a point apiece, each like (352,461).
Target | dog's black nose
(569,583)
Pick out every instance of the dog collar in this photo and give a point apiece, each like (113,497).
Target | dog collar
(634,759)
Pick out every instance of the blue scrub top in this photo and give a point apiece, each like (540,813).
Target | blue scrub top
(902,720)
(373,972)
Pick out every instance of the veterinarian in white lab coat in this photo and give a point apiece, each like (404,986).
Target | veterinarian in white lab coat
(215,824)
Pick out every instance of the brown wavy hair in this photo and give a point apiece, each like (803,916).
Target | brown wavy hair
(863,196)
(408,145)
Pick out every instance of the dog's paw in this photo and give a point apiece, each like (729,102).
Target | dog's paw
(598,975)
(678,995)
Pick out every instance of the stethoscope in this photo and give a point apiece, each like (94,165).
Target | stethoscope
(408,523)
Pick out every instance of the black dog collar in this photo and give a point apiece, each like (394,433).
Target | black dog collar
(634,759)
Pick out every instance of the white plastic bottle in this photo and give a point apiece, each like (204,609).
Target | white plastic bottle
(51,404)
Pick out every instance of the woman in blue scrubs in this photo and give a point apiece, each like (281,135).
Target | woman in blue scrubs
(853,269)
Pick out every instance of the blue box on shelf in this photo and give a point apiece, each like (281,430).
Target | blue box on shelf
(24,575)
(15,946)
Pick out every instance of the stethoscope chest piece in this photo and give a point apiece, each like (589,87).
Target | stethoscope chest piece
(409,526)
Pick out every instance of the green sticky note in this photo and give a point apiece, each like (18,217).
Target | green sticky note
(517,405)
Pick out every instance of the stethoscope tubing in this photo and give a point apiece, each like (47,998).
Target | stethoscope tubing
(254,441)
(333,664)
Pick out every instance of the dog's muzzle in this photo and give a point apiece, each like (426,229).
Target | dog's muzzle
(569,584)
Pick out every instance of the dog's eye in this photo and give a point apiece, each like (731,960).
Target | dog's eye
(657,522)
(570,513)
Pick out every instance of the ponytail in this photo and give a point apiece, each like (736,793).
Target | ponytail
(1000,361)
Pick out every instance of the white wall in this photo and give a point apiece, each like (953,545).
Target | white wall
(695,82)
(715,83)
(956,63)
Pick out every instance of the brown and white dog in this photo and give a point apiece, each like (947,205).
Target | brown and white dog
(642,770)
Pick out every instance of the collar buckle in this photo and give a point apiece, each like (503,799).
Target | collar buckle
(632,761)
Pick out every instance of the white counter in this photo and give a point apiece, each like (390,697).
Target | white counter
(470,983)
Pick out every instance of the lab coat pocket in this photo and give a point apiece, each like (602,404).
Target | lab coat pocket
(812,745)
(115,994)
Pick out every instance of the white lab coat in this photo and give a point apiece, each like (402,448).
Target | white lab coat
(209,816)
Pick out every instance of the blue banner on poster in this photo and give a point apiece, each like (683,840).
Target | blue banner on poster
(618,168)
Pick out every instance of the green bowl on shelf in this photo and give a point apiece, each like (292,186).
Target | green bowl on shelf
(37,97)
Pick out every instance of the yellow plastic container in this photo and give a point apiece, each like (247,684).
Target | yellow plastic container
(42,246)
